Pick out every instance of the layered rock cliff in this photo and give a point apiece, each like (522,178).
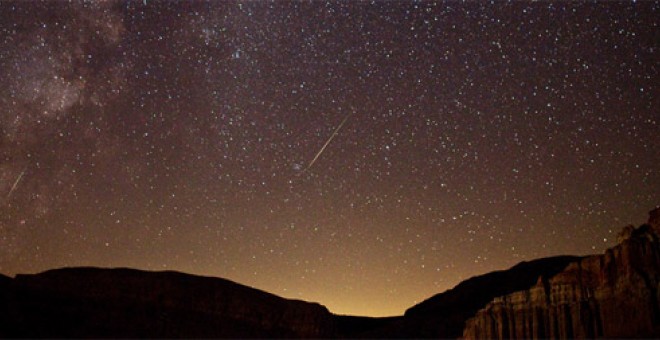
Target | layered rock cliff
(613,295)
(444,315)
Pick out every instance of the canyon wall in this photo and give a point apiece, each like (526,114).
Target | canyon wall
(613,295)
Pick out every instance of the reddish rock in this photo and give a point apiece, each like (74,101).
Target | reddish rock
(615,294)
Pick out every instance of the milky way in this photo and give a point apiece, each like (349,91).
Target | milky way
(177,136)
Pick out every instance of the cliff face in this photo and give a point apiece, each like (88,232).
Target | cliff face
(92,302)
(616,294)
(444,314)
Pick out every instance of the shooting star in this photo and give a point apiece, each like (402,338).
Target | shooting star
(318,154)
(13,187)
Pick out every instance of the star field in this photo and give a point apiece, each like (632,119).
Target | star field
(179,136)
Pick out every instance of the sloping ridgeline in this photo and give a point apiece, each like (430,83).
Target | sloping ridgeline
(93,302)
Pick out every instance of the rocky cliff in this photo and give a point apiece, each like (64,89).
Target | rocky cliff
(444,314)
(613,295)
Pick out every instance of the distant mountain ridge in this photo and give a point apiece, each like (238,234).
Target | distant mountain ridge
(564,296)
(94,302)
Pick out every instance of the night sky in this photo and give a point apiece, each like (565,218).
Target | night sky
(461,138)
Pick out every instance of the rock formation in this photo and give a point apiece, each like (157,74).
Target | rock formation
(444,315)
(613,295)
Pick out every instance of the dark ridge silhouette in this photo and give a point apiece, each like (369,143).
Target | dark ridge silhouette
(94,302)
(564,296)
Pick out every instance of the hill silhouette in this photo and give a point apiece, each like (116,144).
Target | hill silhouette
(561,296)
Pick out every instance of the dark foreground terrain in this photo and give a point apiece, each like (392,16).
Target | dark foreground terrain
(616,294)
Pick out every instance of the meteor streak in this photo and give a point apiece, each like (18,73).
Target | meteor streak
(318,154)
(13,187)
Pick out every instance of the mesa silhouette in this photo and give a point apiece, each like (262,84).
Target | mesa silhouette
(615,294)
